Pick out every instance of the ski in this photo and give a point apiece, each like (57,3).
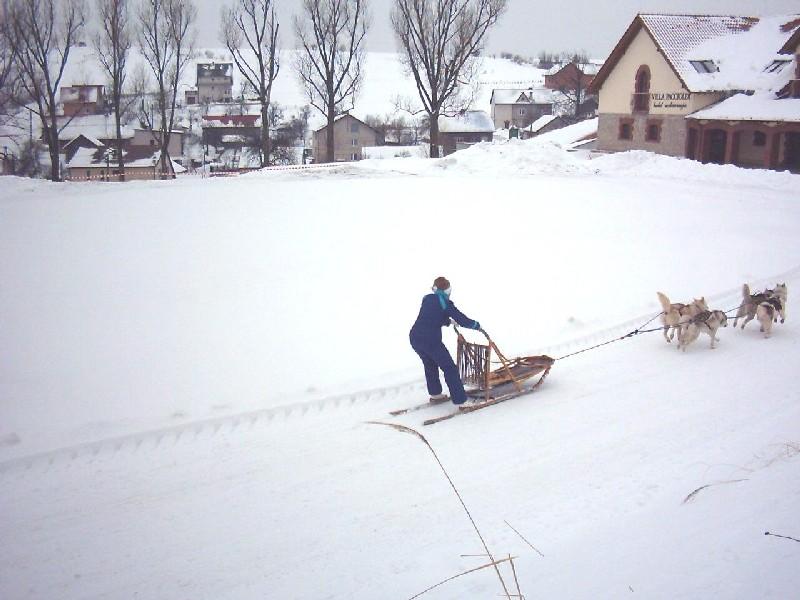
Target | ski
(511,392)
(403,411)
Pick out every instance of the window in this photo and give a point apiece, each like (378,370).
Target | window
(521,112)
(354,128)
(759,138)
(354,156)
(704,66)
(653,132)
(641,96)
(355,142)
(626,129)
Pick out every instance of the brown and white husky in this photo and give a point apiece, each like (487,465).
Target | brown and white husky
(677,313)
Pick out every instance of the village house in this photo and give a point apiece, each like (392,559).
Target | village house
(520,107)
(99,127)
(464,129)
(82,100)
(570,76)
(214,83)
(350,137)
(148,138)
(219,130)
(87,159)
(721,89)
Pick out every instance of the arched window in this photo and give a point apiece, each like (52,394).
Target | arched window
(641,96)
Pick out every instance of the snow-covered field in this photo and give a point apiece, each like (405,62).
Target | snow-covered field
(186,369)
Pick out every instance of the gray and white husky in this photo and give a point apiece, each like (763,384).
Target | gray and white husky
(751,302)
(767,312)
(707,321)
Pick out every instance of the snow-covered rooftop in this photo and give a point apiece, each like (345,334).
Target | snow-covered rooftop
(761,106)
(542,121)
(471,121)
(135,157)
(92,126)
(741,48)
(522,96)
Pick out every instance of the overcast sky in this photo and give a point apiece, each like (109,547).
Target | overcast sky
(528,26)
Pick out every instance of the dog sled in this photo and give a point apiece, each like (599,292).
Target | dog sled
(488,386)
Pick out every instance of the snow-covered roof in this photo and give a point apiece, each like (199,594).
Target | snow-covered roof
(471,121)
(341,116)
(214,69)
(92,140)
(542,121)
(762,106)
(137,156)
(522,96)
(714,53)
(101,127)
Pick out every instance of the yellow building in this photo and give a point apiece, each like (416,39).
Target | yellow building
(720,89)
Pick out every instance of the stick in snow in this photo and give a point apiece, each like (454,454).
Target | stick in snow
(404,429)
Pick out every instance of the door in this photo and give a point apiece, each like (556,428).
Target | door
(717,141)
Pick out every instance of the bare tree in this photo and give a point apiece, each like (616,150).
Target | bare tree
(440,40)
(113,43)
(251,25)
(329,64)
(166,39)
(42,33)
(9,74)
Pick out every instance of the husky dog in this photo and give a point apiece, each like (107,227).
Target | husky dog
(708,322)
(766,311)
(781,293)
(751,302)
(675,313)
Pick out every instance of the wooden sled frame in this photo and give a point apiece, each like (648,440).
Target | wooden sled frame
(511,379)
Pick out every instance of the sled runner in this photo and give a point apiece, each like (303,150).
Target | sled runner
(486,386)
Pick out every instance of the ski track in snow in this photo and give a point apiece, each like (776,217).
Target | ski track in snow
(204,428)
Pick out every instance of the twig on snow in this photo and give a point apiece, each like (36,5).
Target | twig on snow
(523,537)
(692,495)
(404,429)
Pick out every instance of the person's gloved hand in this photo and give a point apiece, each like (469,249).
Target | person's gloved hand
(476,325)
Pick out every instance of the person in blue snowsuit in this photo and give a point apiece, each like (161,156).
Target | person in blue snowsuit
(426,339)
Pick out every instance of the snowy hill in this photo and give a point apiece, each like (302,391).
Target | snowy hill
(188,367)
